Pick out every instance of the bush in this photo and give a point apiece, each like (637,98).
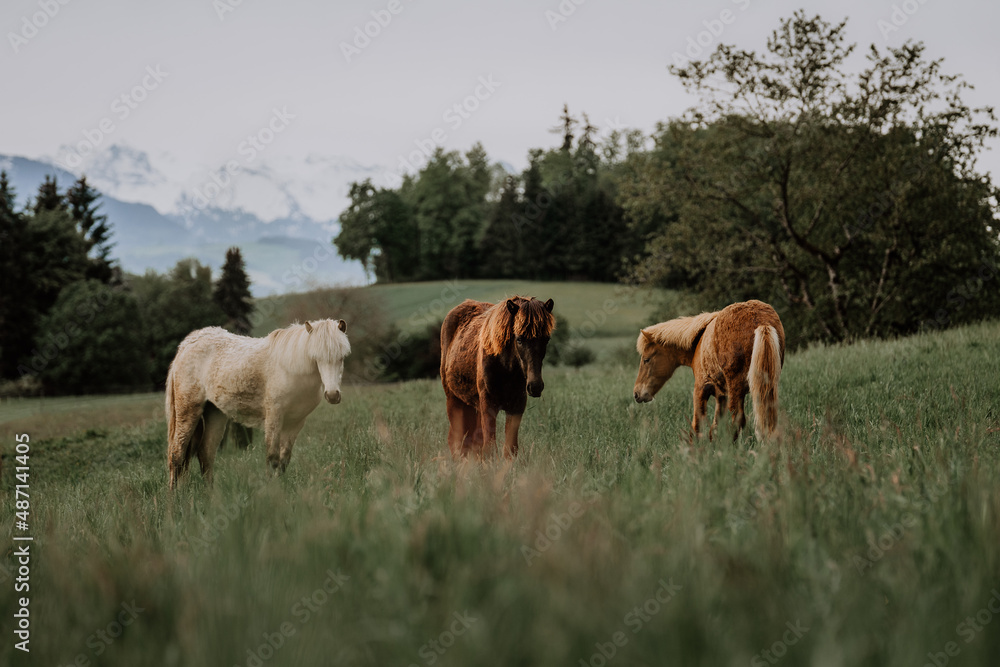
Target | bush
(578,355)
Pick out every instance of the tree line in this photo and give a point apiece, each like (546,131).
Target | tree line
(850,202)
(72,322)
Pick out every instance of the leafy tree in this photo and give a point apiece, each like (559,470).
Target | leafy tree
(172,306)
(853,206)
(91,341)
(379,230)
(232,293)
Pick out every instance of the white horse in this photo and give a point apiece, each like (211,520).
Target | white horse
(272,383)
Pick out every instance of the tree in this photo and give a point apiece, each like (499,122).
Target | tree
(500,243)
(83,208)
(92,340)
(172,306)
(378,229)
(232,293)
(853,206)
(16,311)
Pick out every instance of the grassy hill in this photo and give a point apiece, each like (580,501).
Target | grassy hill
(868,535)
(602,316)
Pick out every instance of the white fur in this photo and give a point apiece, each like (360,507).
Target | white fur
(272,383)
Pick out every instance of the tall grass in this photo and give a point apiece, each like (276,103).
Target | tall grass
(872,527)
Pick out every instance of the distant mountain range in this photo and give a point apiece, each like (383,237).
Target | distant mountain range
(283,216)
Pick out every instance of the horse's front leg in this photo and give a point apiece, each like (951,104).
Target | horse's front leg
(286,439)
(701,394)
(511,425)
(272,438)
(488,421)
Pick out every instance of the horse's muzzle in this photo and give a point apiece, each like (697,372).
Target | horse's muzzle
(643,397)
(535,388)
(332,396)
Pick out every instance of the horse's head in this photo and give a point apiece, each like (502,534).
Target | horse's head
(327,346)
(656,365)
(533,323)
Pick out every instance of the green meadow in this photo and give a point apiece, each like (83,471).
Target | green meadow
(867,534)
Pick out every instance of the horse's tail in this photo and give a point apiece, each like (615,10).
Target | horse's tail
(168,408)
(765,371)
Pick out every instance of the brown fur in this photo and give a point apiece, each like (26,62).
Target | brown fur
(732,352)
(484,369)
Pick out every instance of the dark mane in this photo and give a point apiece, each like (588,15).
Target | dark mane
(532,320)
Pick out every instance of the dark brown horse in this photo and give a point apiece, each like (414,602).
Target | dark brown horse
(491,359)
(735,351)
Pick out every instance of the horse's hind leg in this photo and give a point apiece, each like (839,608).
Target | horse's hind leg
(738,394)
(720,407)
(186,429)
(214,430)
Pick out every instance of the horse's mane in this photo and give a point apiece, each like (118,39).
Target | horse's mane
(532,320)
(682,332)
(293,347)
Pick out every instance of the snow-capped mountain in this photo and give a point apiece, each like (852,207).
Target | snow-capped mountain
(283,213)
(314,188)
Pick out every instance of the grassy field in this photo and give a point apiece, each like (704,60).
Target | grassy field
(868,535)
(601,316)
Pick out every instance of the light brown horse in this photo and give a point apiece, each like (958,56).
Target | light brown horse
(737,350)
(491,358)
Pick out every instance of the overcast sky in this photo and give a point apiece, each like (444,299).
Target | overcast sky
(224,66)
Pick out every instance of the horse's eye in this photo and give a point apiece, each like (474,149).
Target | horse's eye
(520,340)
(646,360)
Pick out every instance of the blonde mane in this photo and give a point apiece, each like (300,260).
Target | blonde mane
(294,347)
(682,332)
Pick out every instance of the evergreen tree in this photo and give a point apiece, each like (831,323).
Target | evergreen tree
(49,197)
(500,245)
(232,293)
(16,305)
(83,208)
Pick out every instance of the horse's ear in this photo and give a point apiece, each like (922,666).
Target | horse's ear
(549,305)
(309,328)
(648,336)
(512,306)
(342,325)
